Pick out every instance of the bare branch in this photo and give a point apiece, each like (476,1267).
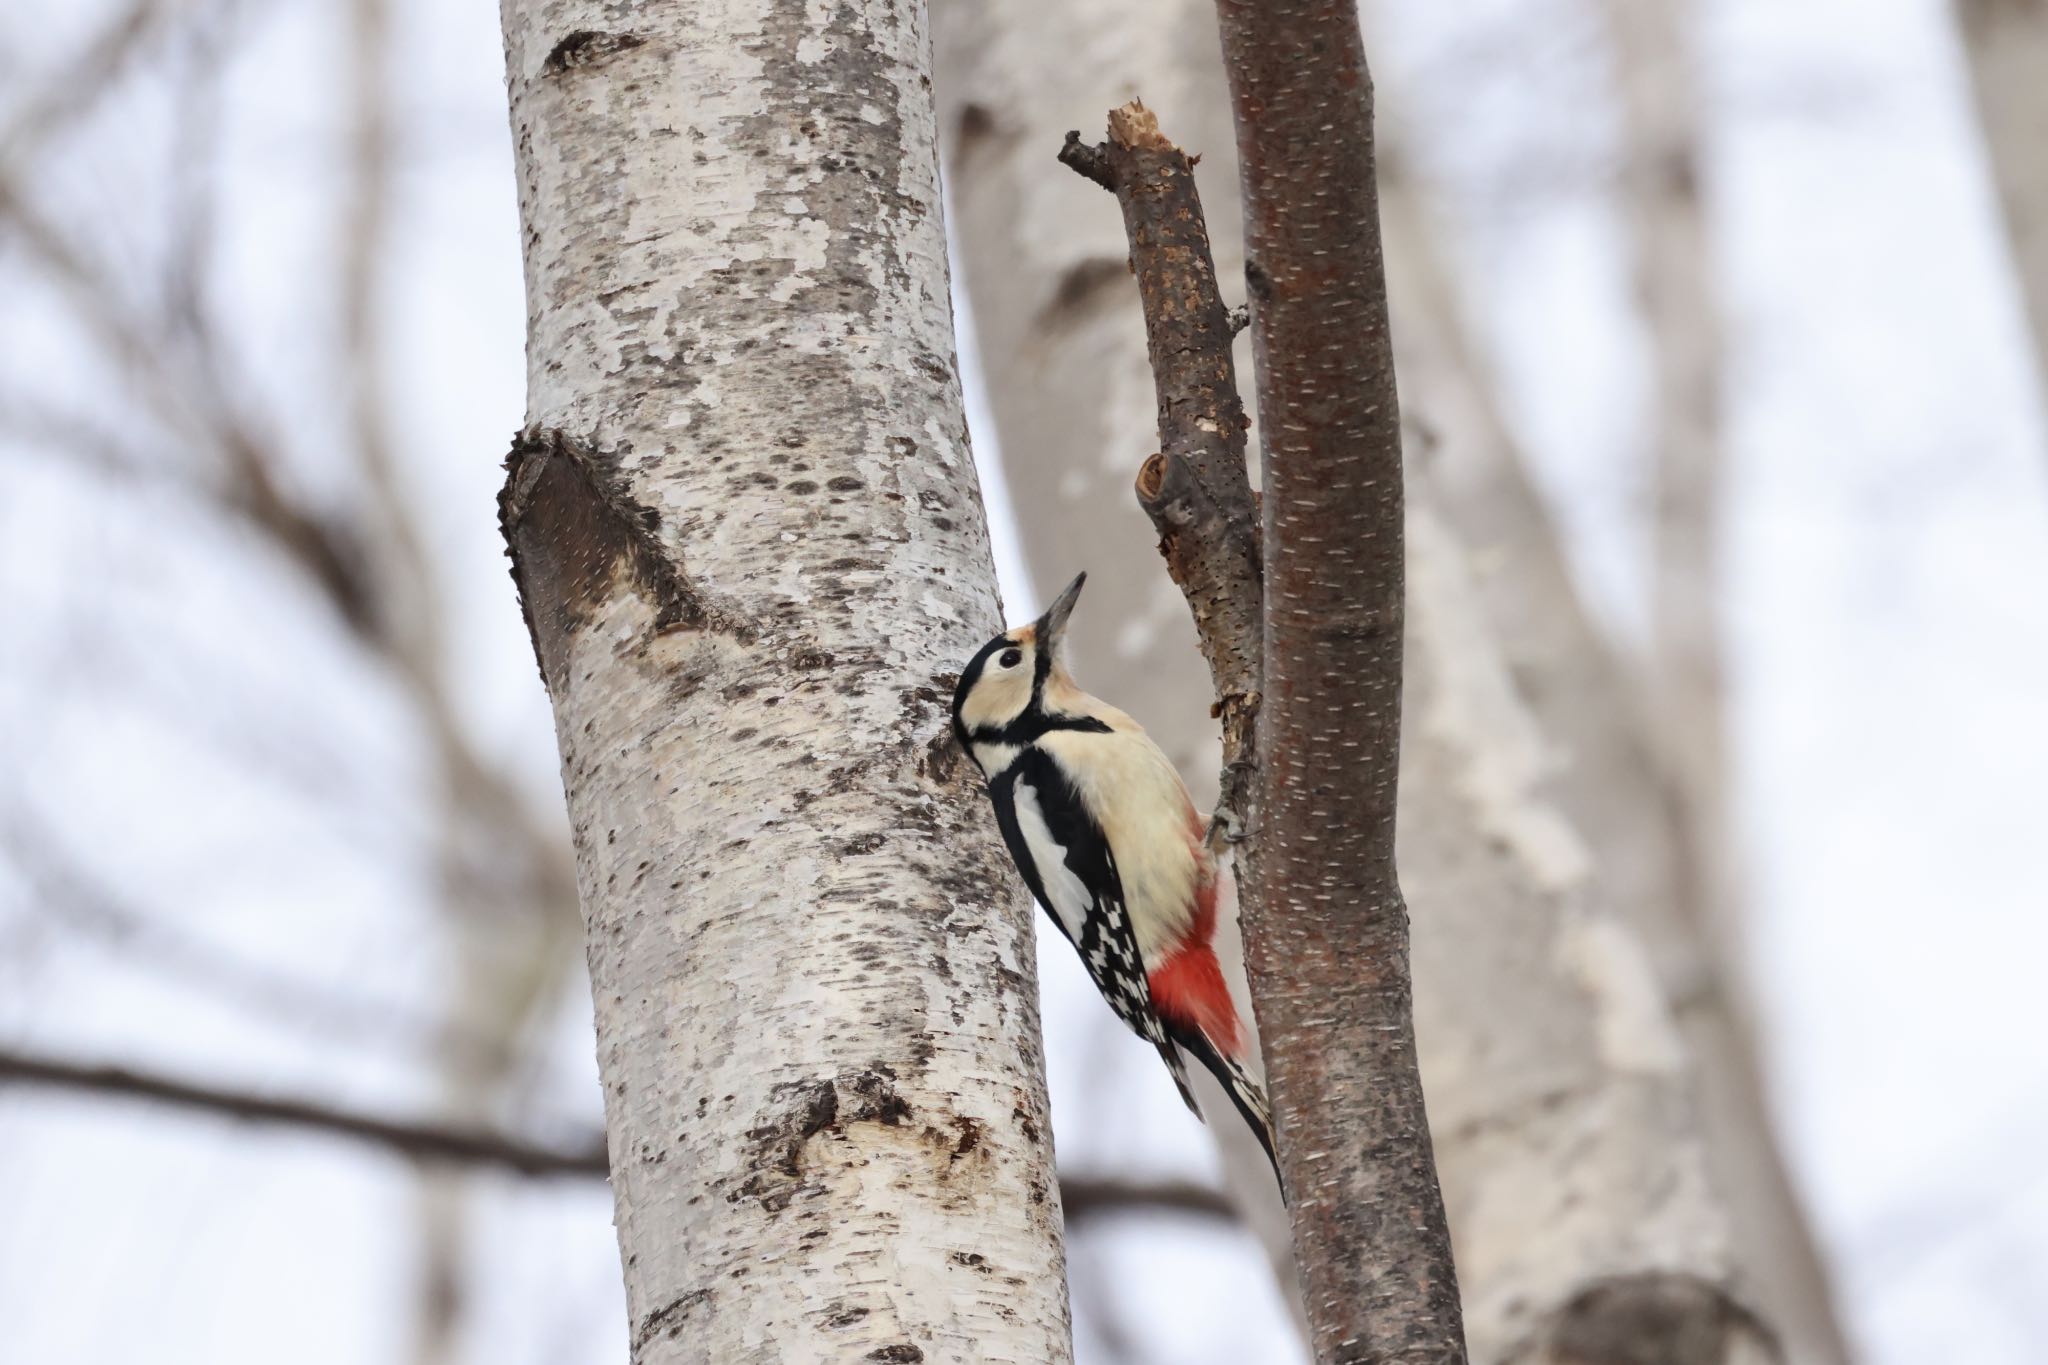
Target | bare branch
(73,91)
(420,1141)
(1086,1197)
(1082,1197)
(71,895)
(1325,927)
(1194,489)
(1326,937)
(187,394)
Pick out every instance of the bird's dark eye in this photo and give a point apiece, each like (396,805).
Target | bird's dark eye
(1011,658)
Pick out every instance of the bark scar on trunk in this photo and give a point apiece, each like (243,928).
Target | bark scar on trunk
(587,46)
(668,1320)
(804,1109)
(571,523)
(1657,1319)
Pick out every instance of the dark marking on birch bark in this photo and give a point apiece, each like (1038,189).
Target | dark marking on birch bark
(570,524)
(873,1099)
(1655,1319)
(776,1159)
(903,1353)
(806,1109)
(586,47)
(669,1319)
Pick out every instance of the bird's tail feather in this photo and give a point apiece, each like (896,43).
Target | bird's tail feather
(1179,1071)
(1246,1094)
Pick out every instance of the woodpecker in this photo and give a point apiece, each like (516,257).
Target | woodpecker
(1107,838)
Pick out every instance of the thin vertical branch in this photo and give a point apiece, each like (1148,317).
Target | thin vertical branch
(1312,793)
(1326,931)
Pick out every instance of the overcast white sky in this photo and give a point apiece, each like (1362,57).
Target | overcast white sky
(173,704)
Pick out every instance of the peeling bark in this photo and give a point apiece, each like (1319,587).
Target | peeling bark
(745,526)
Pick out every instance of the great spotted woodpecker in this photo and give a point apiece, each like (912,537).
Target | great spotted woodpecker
(1111,845)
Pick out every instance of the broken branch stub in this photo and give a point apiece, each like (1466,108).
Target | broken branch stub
(1195,489)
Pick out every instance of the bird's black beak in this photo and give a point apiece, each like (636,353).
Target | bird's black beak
(1054,621)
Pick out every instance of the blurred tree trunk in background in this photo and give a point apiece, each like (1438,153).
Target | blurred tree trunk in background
(1560,1099)
(747,533)
(1594,764)
(2007,45)
(1675,293)
(1695,917)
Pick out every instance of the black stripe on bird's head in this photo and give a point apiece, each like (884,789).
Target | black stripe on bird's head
(1004,682)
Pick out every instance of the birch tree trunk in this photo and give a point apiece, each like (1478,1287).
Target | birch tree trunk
(745,526)
(2007,45)
(1571,1162)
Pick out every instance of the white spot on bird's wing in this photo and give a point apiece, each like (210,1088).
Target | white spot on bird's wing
(1068,896)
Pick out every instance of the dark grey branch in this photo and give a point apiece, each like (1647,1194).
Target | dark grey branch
(420,1141)
(1083,1197)
(1326,930)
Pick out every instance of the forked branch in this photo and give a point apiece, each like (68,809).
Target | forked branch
(1299,608)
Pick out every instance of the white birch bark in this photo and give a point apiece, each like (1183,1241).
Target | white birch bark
(750,542)
(2007,46)
(1576,1181)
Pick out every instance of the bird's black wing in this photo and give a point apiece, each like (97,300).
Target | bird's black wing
(1069,866)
